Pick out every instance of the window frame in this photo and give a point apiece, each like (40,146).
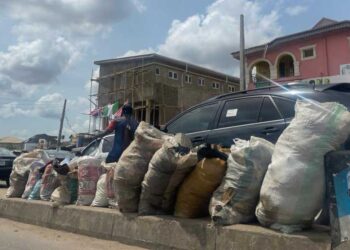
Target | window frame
(157,71)
(285,99)
(173,75)
(313,47)
(231,88)
(215,85)
(236,99)
(201,82)
(188,78)
(212,122)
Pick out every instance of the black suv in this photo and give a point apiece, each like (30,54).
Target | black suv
(263,112)
(6,161)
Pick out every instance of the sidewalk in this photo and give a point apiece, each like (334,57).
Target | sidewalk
(160,232)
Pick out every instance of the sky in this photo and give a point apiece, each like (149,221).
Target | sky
(47,47)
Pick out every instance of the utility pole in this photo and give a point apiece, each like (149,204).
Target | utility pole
(242,55)
(92,74)
(61,125)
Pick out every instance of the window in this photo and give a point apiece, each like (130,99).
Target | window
(194,120)
(172,75)
(240,111)
(231,88)
(286,107)
(91,148)
(308,52)
(107,144)
(216,85)
(268,111)
(188,78)
(157,71)
(286,66)
(200,81)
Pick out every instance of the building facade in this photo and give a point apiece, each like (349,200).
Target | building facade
(158,87)
(319,55)
(11,143)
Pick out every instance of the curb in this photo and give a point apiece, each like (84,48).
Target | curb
(158,232)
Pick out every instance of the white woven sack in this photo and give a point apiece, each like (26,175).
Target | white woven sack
(294,186)
(235,199)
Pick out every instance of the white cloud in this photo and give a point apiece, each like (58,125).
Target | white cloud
(48,106)
(70,16)
(209,39)
(93,84)
(296,10)
(38,61)
(51,35)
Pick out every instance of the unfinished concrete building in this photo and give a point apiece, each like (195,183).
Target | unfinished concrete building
(159,87)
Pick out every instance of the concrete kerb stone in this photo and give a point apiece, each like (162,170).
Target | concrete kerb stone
(256,237)
(160,232)
(166,231)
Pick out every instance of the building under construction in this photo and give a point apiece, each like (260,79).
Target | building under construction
(158,87)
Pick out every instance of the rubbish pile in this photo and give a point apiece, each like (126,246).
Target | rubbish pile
(281,185)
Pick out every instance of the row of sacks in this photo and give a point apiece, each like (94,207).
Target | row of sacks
(282,185)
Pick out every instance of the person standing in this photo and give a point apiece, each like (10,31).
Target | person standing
(124,128)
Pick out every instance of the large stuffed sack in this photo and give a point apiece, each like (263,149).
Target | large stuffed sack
(133,165)
(61,195)
(194,194)
(294,186)
(236,198)
(101,199)
(21,170)
(167,169)
(35,194)
(89,171)
(49,183)
(109,185)
(34,176)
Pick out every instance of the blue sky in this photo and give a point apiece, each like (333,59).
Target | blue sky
(47,48)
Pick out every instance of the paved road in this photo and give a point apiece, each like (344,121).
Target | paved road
(20,236)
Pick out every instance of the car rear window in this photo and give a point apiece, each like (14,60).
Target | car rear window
(240,112)
(268,111)
(195,120)
(286,107)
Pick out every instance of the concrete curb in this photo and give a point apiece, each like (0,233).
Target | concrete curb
(158,232)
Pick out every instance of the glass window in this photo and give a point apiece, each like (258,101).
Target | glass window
(286,107)
(308,53)
(107,144)
(188,79)
(157,71)
(201,82)
(194,120)
(240,111)
(91,148)
(175,75)
(170,74)
(215,85)
(231,88)
(268,111)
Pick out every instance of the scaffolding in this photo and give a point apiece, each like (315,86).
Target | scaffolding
(150,100)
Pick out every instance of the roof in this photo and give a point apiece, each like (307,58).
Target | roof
(322,26)
(169,61)
(324,22)
(35,138)
(10,140)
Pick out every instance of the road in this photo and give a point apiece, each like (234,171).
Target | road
(20,236)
